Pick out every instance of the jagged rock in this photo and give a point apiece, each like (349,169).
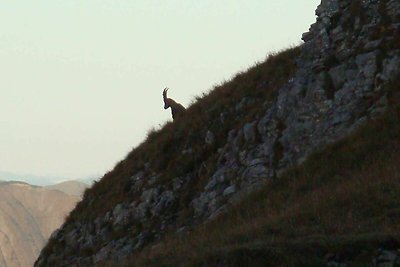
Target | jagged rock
(101,255)
(391,67)
(379,107)
(235,139)
(187,151)
(219,177)
(254,172)
(150,195)
(387,258)
(367,64)
(327,8)
(141,239)
(249,131)
(138,176)
(120,214)
(153,179)
(229,190)
(137,181)
(141,211)
(210,138)
(164,201)
(179,182)
(201,203)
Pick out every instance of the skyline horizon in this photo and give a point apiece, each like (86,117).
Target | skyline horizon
(44,180)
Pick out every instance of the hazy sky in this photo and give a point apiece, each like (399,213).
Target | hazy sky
(81,80)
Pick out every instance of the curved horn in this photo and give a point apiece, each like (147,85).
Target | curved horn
(165,92)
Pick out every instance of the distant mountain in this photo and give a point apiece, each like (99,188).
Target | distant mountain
(28,216)
(88,180)
(31,179)
(72,188)
(42,180)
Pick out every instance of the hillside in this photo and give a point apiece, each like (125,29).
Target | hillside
(28,216)
(341,206)
(291,161)
(72,188)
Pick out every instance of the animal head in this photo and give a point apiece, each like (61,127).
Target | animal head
(176,109)
(167,101)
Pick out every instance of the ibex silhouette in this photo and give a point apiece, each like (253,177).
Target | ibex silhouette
(176,108)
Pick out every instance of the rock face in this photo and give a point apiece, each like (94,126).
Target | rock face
(28,216)
(348,56)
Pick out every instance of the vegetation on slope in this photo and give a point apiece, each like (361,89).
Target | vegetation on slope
(343,200)
(163,147)
(162,151)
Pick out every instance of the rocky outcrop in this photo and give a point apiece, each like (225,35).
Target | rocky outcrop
(348,57)
(340,85)
(28,215)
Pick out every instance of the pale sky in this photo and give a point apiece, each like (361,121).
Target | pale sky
(81,80)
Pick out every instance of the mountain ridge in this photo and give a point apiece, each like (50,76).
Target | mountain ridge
(72,188)
(28,216)
(243,135)
(33,179)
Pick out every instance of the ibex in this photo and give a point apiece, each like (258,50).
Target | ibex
(176,108)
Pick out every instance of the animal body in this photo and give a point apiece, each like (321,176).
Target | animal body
(176,109)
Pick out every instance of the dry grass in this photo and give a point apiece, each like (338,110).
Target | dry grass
(162,147)
(345,195)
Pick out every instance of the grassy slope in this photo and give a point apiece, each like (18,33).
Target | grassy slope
(344,199)
(163,147)
(345,193)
